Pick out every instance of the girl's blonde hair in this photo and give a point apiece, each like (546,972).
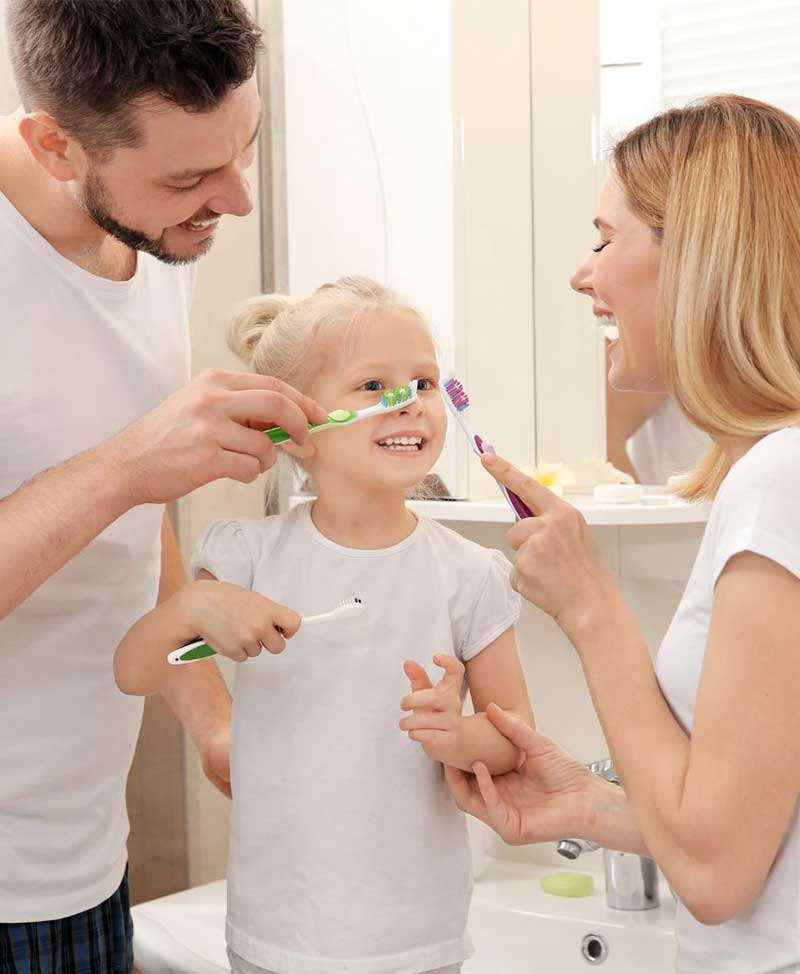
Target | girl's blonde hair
(719,184)
(274,334)
(287,339)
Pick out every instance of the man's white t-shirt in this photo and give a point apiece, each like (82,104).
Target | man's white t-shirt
(756,510)
(347,852)
(80,358)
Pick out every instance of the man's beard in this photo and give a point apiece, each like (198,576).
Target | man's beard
(95,202)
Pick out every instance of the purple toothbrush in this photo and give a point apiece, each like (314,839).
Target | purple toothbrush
(458,401)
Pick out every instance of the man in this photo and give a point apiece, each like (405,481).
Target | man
(139,120)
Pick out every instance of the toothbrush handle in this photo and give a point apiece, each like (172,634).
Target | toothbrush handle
(279,435)
(197,649)
(190,653)
(517,505)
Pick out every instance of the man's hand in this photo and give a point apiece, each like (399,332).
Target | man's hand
(212,428)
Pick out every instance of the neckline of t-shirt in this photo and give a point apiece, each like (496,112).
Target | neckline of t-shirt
(304,513)
(756,447)
(65,266)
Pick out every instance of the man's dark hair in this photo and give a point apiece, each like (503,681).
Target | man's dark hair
(87,61)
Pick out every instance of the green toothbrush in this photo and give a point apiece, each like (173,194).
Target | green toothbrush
(197,648)
(390,400)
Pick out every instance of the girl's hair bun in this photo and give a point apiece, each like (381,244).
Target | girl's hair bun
(251,319)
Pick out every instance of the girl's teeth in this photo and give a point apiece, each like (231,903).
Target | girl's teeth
(402,444)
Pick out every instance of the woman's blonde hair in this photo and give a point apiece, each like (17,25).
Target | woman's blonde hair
(288,339)
(719,184)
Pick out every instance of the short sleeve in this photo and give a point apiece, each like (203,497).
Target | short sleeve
(229,549)
(496,608)
(756,509)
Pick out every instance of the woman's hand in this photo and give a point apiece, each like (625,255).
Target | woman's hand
(235,621)
(558,567)
(549,797)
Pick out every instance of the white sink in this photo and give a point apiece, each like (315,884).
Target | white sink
(518,929)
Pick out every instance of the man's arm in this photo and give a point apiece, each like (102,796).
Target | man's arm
(205,431)
(54,516)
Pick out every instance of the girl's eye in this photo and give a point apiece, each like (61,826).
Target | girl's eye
(373,385)
(601,246)
(425,385)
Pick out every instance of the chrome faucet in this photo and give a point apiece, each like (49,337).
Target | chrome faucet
(631,880)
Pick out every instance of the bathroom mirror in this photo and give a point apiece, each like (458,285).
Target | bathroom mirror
(449,150)
(663,54)
(510,115)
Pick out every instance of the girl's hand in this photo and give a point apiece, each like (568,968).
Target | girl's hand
(235,621)
(445,697)
(558,567)
(549,797)
(444,736)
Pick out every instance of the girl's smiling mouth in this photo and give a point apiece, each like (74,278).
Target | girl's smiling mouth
(409,442)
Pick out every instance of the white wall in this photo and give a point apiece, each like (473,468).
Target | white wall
(8,90)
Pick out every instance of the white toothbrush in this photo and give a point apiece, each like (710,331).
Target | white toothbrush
(199,649)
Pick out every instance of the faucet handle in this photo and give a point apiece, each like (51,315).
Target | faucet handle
(572,848)
(604,769)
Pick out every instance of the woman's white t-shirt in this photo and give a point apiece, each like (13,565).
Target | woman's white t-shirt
(757,509)
(347,852)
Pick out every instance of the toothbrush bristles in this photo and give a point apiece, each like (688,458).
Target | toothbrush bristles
(393,397)
(457,395)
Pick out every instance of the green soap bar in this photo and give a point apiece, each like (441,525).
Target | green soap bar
(568,884)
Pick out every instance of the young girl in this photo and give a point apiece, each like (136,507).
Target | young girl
(347,852)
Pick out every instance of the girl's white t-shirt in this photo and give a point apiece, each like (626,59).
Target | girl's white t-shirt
(81,358)
(347,852)
(755,510)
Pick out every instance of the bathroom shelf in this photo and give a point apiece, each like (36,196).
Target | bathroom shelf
(656,507)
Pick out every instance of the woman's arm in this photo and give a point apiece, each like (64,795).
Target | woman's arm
(714,808)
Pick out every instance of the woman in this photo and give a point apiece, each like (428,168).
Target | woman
(699,261)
